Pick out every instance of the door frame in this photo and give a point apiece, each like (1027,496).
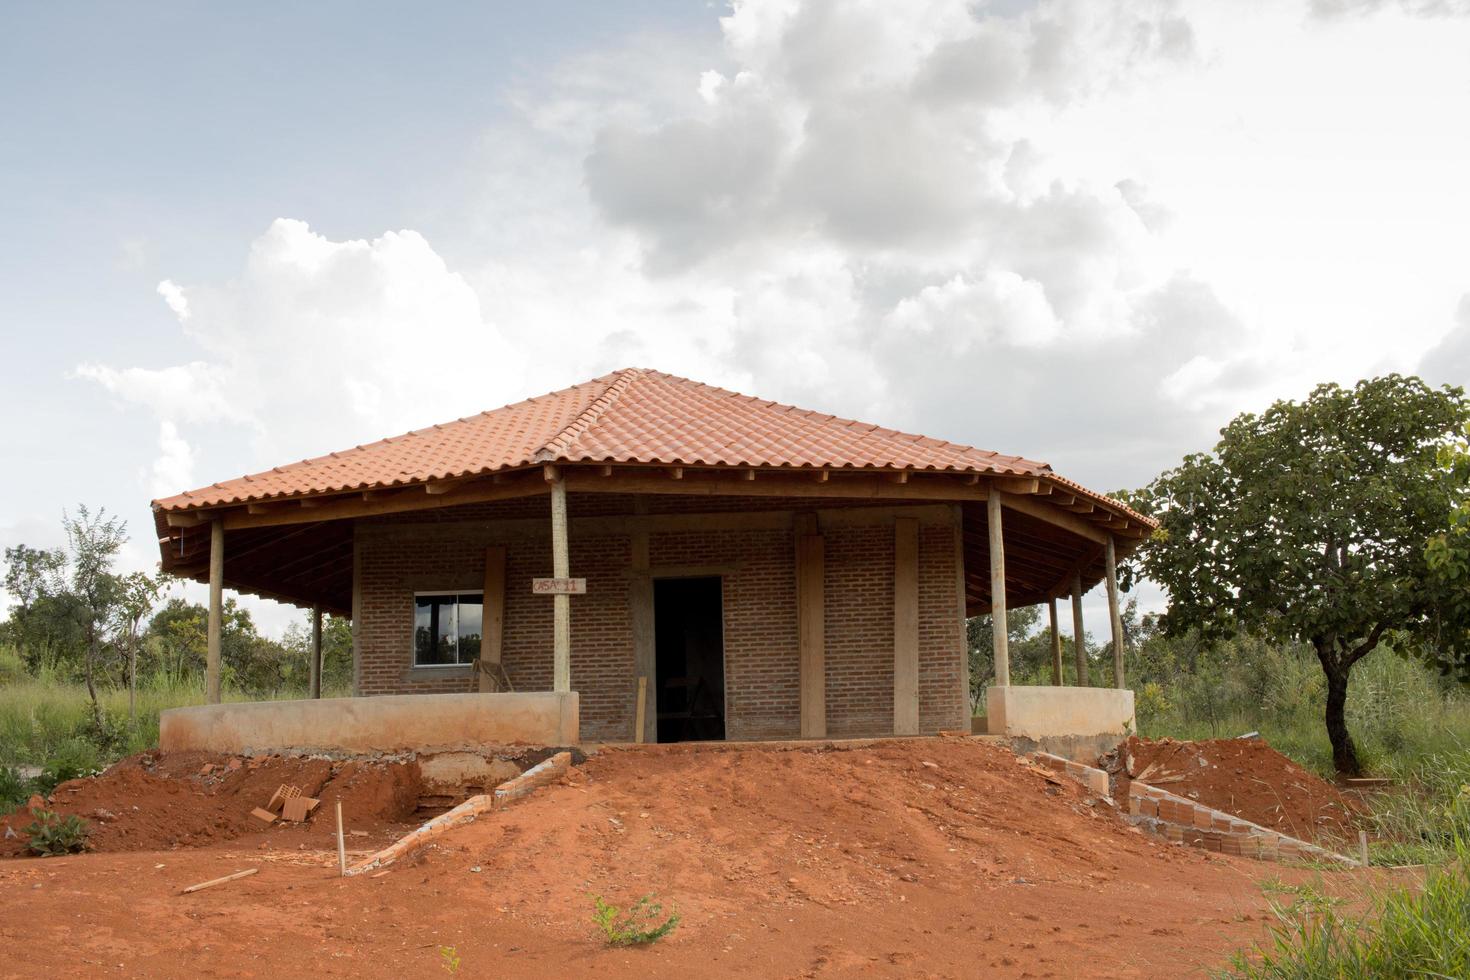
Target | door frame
(655,576)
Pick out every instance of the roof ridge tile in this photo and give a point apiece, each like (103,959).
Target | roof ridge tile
(560,445)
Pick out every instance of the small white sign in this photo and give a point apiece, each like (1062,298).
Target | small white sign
(559,586)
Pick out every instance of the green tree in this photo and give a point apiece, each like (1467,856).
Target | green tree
(1026,648)
(137,594)
(1310,523)
(94,541)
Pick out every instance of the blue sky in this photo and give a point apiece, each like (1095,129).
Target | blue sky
(1081,231)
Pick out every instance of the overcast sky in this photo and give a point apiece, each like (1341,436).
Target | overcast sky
(1089,233)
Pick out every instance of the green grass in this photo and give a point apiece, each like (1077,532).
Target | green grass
(1401,715)
(43,718)
(1422,932)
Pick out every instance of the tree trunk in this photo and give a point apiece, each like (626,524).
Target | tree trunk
(1344,753)
(91,658)
(132,682)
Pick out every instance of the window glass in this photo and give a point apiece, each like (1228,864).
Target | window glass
(470,617)
(446,629)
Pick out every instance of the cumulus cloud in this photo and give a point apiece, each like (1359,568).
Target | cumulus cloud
(315,345)
(1416,8)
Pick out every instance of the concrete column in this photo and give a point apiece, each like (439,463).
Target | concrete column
(562,604)
(216,610)
(1079,635)
(1110,557)
(1056,644)
(314,686)
(998,592)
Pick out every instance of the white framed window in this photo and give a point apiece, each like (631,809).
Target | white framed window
(447,628)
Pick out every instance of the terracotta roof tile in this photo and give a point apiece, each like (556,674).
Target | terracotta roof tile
(630,416)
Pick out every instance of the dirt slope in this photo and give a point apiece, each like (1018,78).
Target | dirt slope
(1248,778)
(904,859)
(158,802)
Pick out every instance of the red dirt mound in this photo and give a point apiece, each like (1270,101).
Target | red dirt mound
(1246,777)
(896,859)
(154,802)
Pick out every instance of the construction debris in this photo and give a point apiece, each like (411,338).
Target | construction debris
(281,795)
(298,807)
(265,815)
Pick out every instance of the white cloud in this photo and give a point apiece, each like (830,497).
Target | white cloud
(174,467)
(174,297)
(319,344)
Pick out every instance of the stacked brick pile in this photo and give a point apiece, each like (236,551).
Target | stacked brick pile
(1183,821)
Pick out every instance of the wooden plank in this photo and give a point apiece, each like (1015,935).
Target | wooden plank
(353,505)
(492,611)
(216,612)
(1079,635)
(811,630)
(905,626)
(1056,644)
(844,485)
(999,637)
(1110,562)
(960,594)
(561,610)
(642,708)
(559,586)
(1057,516)
(219,881)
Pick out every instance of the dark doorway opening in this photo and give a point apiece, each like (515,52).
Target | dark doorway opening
(689,644)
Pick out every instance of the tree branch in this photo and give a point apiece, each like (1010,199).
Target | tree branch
(1363,649)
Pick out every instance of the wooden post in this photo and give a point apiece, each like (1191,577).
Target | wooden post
(640,617)
(341,843)
(561,610)
(315,684)
(905,626)
(998,591)
(216,610)
(1079,635)
(811,626)
(642,709)
(492,620)
(1056,644)
(1110,558)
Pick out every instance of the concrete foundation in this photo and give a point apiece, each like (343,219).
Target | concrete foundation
(1049,713)
(419,722)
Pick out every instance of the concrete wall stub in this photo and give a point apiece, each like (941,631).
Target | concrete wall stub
(421,722)
(1051,712)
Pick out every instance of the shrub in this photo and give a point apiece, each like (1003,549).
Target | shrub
(52,834)
(15,789)
(73,759)
(638,926)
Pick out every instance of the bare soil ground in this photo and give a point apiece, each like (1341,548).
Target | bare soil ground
(922,858)
(1248,778)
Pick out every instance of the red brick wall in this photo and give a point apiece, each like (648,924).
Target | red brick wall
(397,557)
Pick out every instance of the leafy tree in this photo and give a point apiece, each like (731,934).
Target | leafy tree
(94,541)
(1310,523)
(1448,554)
(44,615)
(176,638)
(1025,650)
(137,593)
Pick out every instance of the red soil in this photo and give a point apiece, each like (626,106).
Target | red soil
(152,802)
(936,858)
(1248,778)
